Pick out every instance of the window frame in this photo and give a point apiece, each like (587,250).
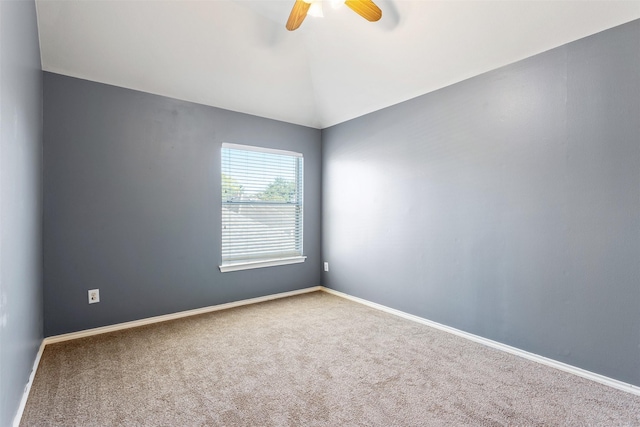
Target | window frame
(230,266)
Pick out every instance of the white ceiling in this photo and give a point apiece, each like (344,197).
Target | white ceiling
(237,54)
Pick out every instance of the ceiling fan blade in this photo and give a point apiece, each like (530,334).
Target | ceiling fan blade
(365,8)
(298,13)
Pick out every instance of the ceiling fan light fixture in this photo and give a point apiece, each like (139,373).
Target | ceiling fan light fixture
(316,9)
(301,8)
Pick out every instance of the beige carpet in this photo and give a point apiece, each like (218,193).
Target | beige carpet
(309,360)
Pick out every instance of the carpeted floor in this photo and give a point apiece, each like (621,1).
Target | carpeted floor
(309,360)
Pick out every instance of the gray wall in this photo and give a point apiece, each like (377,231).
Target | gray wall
(132,204)
(20,201)
(507,205)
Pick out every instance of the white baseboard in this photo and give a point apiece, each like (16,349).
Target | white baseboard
(173,316)
(27,388)
(629,388)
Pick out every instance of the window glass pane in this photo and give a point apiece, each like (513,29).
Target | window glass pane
(261,204)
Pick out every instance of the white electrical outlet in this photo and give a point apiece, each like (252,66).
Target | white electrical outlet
(326,266)
(94,296)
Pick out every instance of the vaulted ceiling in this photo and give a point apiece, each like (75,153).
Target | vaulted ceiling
(237,54)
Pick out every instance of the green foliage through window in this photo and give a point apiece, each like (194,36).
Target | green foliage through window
(231,189)
(280,190)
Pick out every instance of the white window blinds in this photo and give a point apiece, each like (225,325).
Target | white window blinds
(261,204)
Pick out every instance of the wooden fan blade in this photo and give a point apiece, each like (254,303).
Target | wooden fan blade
(298,13)
(365,8)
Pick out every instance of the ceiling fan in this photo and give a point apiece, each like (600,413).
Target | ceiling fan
(365,8)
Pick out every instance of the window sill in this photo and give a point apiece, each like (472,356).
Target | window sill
(259,264)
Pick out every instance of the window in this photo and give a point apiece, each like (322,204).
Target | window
(261,207)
